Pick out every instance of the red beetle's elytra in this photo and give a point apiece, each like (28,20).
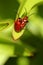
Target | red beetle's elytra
(20,23)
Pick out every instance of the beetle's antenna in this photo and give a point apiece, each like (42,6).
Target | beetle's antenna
(17,15)
(32,14)
(25,11)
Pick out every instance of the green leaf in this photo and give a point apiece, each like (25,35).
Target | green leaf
(28,5)
(14,33)
(3,25)
(17,35)
(36,20)
(5,52)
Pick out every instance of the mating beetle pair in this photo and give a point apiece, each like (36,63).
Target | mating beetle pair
(20,23)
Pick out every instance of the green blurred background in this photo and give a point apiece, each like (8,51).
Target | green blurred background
(10,48)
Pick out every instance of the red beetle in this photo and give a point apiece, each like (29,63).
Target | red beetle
(20,23)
